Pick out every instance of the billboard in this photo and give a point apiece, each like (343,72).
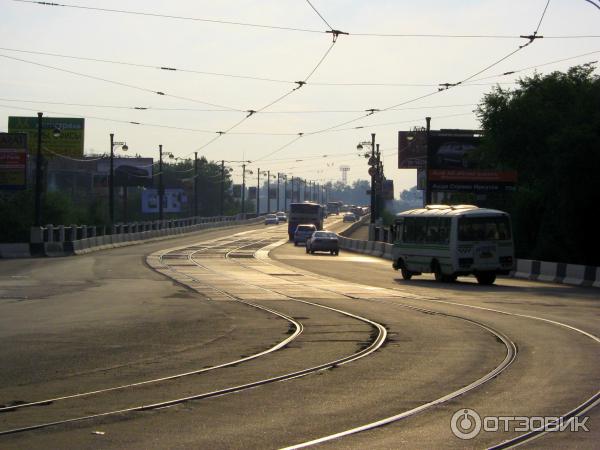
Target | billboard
(69,143)
(412,149)
(173,199)
(13,161)
(450,149)
(129,171)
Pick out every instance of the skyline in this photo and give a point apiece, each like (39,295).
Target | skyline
(398,75)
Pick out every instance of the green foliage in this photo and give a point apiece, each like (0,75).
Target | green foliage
(548,129)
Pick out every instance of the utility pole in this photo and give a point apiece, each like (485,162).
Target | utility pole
(161,190)
(243,190)
(38,176)
(258,194)
(278,192)
(292,191)
(268,191)
(427,196)
(195,184)
(373,198)
(222,187)
(285,193)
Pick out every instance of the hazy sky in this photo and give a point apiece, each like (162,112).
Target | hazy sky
(359,72)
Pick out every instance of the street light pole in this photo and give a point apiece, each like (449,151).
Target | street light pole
(268,191)
(111,177)
(222,187)
(278,192)
(38,176)
(160,184)
(195,184)
(285,193)
(244,191)
(373,199)
(258,193)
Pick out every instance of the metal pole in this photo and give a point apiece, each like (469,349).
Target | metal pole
(278,192)
(37,218)
(285,193)
(373,199)
(268,191)
(222,186)
(243,191)
(160,185)
(427,196)
(258,193)
(292,192)
(195,184)
(111,182)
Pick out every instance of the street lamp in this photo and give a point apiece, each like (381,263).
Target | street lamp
(373,171)
(161,188)
(111,176)
(37,215)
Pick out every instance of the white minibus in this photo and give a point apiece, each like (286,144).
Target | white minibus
(451,241)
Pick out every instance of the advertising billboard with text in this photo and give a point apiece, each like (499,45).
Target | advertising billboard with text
(68,143)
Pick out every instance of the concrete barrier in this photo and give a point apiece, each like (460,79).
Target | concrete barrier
(528,269)
(56,241)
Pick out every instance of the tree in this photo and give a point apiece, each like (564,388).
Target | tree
(548,129)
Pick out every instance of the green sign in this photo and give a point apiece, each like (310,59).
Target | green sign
(69,143)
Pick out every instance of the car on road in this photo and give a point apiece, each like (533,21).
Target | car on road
(350,217)
(303,232)
(281,216)
(323,241)
(271,219)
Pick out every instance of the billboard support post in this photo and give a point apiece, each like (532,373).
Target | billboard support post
(111,177)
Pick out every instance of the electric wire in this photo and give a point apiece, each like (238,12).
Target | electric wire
(118,83)
(319,14)
(167,16)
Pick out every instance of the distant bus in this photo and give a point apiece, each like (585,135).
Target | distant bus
(334,207)
(452,241)
(304,213)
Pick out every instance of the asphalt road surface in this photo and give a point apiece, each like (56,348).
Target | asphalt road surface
(236,338)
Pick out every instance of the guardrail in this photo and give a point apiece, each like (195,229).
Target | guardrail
(65,240)
(561,273)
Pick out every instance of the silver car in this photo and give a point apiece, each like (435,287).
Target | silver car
(323,241)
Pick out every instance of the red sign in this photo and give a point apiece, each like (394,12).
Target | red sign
(13,161)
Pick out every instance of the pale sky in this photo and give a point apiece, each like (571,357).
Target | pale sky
(359,72)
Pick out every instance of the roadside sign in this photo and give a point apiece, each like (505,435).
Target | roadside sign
(13,161)
(69,143)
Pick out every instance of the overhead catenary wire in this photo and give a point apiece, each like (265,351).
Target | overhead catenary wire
(288,28)
(220,133)
(118,83)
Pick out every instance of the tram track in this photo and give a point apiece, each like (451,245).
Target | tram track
(584,407)
(373,346)
(247,247)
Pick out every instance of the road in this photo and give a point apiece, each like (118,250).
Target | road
(237,339)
